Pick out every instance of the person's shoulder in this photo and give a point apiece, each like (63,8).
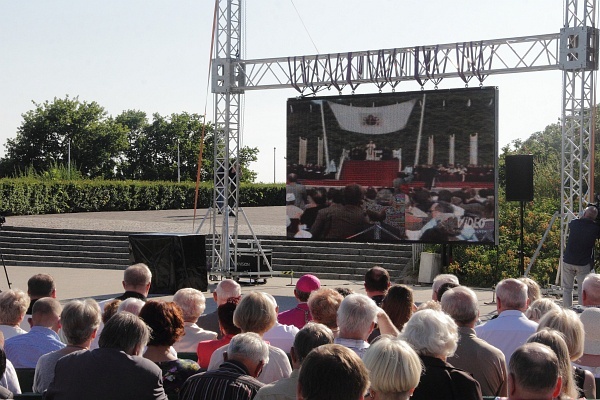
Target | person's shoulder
(277,351)
(487,351)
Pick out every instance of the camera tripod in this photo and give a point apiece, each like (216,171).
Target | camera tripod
(2,221)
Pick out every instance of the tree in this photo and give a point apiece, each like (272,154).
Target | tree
(43,139)
(153,147)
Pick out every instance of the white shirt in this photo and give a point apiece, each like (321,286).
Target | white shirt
(281,336)
(10,380)
(188,343)
(507,332)
(278,366)
(10,331)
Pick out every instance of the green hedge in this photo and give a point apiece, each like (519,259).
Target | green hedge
(26,196)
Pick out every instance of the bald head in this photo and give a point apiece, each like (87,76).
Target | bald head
(591,290)
(533,373)
(590,212)
(226,289)
(46,313)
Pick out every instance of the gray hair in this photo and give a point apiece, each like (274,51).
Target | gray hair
(79,320)
(250,346)
(255,313)
(137,275)
(125,331)
(461,304)
(431,333)
(311,336)
(131,305)
(356,314)
(13,305)
(512,293)
(192,303)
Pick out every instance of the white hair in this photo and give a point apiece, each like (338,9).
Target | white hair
(192,303)
(131,305)
(356,314)
(226,289)
(441,279)
(512,293)
(431,333)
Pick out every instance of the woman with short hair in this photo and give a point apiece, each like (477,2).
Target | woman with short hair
(568,323)
(394,369)
(434,336)
(165,319)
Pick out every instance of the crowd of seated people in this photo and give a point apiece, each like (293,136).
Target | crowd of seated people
(344,348)
(389,214)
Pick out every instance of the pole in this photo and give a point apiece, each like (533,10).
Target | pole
(521,253)
(178,164)
(68,163)
(274,163)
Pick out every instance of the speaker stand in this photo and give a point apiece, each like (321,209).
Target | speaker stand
(521,252)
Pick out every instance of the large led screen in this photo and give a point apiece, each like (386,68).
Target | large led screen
(394,167)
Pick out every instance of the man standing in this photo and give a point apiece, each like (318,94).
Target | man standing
(512,328)
(577,258)
(235,379)
(485,362)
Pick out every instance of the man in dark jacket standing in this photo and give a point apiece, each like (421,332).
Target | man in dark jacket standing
(578,256)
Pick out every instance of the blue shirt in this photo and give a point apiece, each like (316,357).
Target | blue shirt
(583,233)
(25,350)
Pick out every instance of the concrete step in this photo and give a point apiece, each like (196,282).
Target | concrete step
(110,250)
(67,254)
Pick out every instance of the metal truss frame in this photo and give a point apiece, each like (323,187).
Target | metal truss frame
(574,50)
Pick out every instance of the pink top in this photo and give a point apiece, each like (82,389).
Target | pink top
(297,316)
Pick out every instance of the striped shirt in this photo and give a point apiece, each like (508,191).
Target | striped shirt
(230,382)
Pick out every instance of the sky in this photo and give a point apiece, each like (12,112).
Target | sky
(153,55)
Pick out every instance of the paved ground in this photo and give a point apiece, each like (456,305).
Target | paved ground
(100,284)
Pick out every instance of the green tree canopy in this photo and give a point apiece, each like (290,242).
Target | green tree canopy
(43,138)
(125,147)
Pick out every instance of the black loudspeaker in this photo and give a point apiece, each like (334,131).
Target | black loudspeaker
(519,178)
(176,260)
